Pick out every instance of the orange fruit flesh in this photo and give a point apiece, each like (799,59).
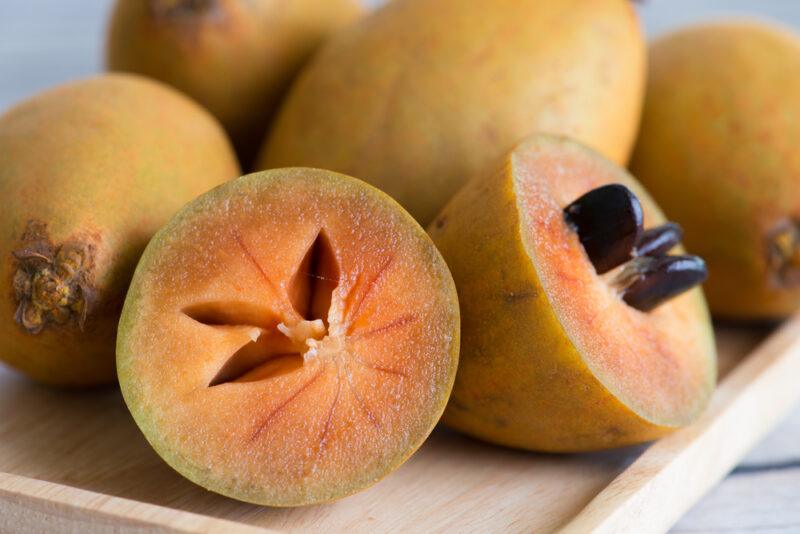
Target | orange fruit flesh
(289,338)
(657,362)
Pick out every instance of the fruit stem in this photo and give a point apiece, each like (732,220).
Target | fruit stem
(183,9)
(783,253)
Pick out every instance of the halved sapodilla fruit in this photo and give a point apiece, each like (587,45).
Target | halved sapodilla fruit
(289,338)
(580,330)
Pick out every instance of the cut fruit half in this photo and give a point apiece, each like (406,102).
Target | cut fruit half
(289,338)
(555,356)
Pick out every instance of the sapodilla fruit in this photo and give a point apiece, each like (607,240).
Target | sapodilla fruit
(574,334)
(89,172)
(289,338)
(719,151)
(423,94)
(236,57)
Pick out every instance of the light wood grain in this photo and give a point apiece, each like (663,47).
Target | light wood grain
(676,471)
(44,42)
(28,505)
(76,462)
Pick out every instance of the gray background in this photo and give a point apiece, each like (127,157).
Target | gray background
(44,42)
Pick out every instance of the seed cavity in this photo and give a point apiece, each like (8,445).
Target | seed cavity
(258,360)
(609,224)
(608,221)
(280,342)
(311,288)
(52,283)
(232,313)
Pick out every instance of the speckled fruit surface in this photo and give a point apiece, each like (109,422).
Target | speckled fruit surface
(552,359)
(718,150)
(235,57)
(423,94)
(91,170)
(289,338)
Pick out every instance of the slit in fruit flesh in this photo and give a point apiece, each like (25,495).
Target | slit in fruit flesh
(269,356)
(608,221)
(279,346)
(783,253)
(232,313)
(311,288)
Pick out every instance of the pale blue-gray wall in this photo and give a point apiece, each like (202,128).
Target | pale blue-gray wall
(44,42)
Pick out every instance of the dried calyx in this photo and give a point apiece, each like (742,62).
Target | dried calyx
(51,283)
(609,224)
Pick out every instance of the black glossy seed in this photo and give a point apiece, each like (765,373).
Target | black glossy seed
(608,221)
(661,278)
(659,240)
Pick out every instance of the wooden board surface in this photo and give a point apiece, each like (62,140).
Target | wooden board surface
(44,42)
(77,461)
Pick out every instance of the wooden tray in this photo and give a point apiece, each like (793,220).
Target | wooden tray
(76,462)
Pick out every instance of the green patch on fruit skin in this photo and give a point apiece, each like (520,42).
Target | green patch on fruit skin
(151,419)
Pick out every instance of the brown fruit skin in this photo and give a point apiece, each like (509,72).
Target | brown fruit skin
(235,57)
(719,151)
(521,381)
(103,162)
(423,94)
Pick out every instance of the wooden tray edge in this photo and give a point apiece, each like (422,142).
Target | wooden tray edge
(28,505)
(654,492)
(674,473)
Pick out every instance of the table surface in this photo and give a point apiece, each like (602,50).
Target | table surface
(44,42)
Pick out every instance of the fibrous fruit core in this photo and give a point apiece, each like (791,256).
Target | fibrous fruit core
(608,221)
(280,348)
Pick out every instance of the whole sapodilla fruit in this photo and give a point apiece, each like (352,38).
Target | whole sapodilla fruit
(289,338)
(719,151)
(236,57)
(423,94)
(573,338)
(90,171)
